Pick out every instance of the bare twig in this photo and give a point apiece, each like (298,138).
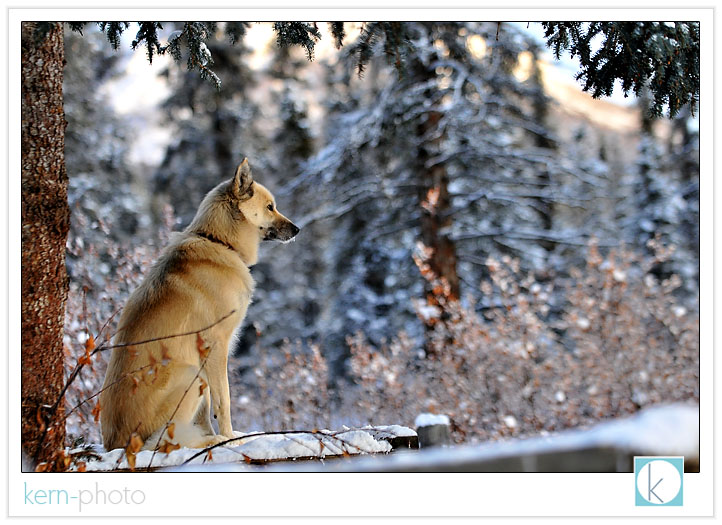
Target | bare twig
(102,348)
(106,324)
(105,388)
(168,422)
(154,339)
(315,433)
(50,414)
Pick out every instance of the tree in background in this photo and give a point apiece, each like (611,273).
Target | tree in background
(468,172)
(666,194)
(104,204)
(214,124)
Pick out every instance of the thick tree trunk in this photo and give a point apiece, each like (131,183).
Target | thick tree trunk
(45,222)
(435,204)
(434,195)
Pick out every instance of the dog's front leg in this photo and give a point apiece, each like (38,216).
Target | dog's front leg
(217,367)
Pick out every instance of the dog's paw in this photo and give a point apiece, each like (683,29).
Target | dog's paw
(206,441)
(232,435)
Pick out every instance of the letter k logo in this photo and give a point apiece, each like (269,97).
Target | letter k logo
(658,480)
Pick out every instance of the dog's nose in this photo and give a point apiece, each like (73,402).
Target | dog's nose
(294,230)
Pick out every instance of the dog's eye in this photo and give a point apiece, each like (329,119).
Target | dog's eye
(270,207)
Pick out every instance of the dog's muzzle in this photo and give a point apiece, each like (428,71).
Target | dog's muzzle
(283,233)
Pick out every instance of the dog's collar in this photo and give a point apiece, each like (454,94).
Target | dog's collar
(215,239)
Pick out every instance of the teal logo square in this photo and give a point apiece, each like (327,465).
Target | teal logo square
(658,481)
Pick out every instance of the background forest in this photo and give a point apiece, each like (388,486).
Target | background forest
(479,238)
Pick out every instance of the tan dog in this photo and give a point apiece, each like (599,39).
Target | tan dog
(199,278)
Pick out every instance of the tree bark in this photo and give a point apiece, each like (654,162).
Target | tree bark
(435,203)
(435,222)
(45,223)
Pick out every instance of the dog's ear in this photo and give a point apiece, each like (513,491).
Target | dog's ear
(242,184)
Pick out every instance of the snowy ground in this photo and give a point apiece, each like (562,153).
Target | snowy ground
(253,448)
(669,430)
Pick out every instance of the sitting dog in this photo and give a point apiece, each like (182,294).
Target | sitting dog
(160,384)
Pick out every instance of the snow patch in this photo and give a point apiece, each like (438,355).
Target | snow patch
(396,430)
(510,421)
(583,323)
(427,419)
(428,312)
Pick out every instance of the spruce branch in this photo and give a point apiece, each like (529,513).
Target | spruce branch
(663,56)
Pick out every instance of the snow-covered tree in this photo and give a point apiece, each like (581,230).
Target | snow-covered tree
(448,151)
(666,196)
(100,180)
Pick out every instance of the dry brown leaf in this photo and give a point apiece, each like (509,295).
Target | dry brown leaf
(96,411)
(131,460)
(136,443)
(168,447)
(202,347)
(89,344)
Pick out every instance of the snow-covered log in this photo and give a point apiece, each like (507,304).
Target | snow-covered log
(257,448)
